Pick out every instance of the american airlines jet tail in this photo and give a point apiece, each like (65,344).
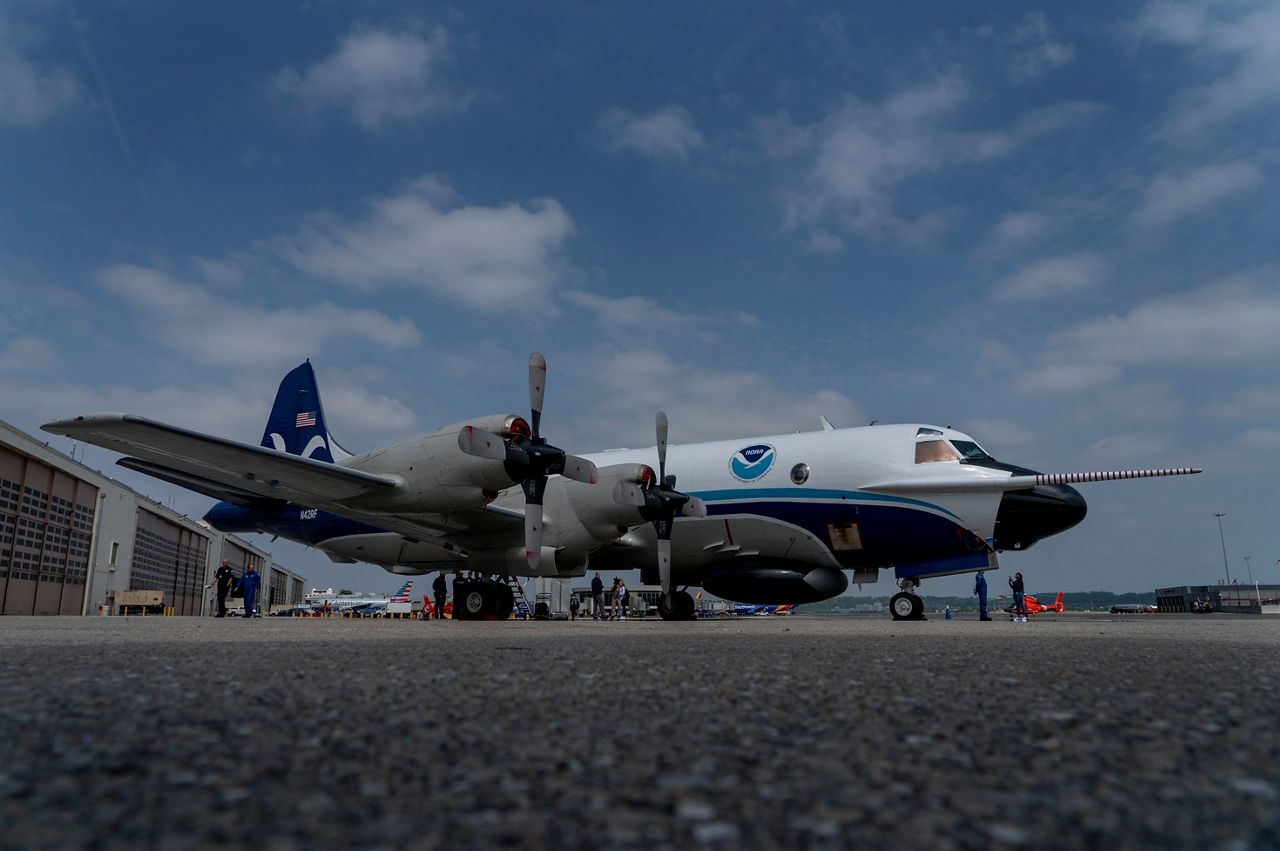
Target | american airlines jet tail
(296,424)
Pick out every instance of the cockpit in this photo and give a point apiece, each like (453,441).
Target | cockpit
(933,445)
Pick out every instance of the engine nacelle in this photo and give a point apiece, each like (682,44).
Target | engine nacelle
(435,475)
(775,582)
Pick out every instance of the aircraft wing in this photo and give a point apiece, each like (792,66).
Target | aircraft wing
(241,468)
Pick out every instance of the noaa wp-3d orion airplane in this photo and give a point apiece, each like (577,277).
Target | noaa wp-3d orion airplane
(768,520)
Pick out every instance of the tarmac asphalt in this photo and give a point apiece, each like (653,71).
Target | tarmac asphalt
(1077,731)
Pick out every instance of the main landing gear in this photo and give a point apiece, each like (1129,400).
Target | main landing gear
(676,606)
(482,599)
(906,605)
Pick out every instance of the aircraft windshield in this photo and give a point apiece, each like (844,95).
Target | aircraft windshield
(971,451)
(935,450)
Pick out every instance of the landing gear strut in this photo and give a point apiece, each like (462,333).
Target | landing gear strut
(906,605)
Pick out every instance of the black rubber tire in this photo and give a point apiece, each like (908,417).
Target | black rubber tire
(504,601)
(681,608)
(906,607)
(476,601)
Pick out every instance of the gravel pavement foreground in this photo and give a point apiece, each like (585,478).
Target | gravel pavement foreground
(1084,731)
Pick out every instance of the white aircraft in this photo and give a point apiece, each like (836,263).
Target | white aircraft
(773,520)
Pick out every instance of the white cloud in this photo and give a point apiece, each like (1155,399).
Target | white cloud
(187,318)
(27,355)
(857,156)
(221,273)
(376,77)
(703,403)
(1037,51)
(1053,276)
(1170,197)
(1016,230)
(1232,322)
(667,133)
(1237,46)
(1128,449)
(635,315)
(491,258)
(30,93)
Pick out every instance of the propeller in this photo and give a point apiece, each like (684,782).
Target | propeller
(529,459)
(659,502)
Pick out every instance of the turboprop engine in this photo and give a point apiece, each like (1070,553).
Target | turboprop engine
(435,472)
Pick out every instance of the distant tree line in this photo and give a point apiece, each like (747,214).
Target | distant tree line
(1077,601)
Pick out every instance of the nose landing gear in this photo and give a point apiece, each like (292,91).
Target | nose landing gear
(906,605)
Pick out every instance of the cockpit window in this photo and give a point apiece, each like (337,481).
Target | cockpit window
(971,451)
(935,450)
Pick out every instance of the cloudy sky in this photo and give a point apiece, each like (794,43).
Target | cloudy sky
(1053,229)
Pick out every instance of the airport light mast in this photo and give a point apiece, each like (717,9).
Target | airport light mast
(1221,537)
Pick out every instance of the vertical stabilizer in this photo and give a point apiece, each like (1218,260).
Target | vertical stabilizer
(296,424)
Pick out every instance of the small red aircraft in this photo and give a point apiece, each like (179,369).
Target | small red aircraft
(1035,607)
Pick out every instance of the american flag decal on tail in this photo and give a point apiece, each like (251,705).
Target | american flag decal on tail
(306,420)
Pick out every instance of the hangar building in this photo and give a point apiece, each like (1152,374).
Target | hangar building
(71,538)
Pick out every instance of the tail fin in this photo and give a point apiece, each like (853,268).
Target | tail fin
(404,594)
(1057,603)
(296,424)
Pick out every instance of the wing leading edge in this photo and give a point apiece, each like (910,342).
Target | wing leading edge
(241,467)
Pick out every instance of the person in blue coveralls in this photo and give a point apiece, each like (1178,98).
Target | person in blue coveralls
(980,589)
(249,584)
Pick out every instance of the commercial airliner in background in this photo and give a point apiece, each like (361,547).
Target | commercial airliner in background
(777,519)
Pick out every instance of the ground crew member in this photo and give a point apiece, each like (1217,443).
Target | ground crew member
(222,578)
(249,584)
(441,589)
(980,589)
(597,597)
(1019,601)
(573,607)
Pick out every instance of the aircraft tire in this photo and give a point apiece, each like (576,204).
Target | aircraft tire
(504,601)
(906,607)
(477,601)
(684,608)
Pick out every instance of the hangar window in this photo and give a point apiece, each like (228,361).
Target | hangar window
(935,450)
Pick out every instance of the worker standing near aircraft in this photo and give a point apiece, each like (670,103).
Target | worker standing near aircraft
(249,584)
(980,589)
(1019,598)
(440,588)
(222,577)
(597,597)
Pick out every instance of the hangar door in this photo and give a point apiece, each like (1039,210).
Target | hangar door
(46,526)
(169,557)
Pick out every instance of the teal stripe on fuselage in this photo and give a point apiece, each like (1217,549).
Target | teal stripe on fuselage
(812,494)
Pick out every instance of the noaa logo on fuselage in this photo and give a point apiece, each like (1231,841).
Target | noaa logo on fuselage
(752,462)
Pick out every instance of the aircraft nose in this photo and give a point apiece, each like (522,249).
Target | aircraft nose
(1026,516)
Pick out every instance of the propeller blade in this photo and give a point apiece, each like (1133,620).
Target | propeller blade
(482,443)
(660,425)
(664,564)
(694,508)
(629,493)
(580,470)
(537,388)
(533,534)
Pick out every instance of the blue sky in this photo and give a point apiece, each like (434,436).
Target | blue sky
(1055,229)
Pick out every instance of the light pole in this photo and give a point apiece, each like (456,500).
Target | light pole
(1223,538)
